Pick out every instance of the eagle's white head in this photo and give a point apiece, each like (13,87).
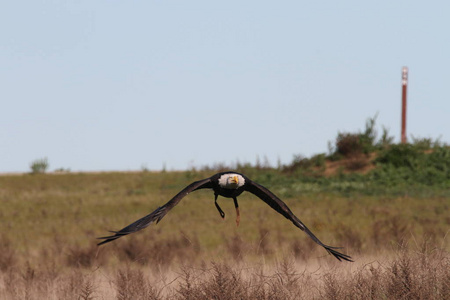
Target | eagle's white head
(231,181)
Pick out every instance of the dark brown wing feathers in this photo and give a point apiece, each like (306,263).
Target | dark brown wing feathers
(159,213)
(278,205)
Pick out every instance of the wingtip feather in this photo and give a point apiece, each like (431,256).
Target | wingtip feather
(339,256)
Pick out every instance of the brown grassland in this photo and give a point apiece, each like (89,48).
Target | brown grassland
(50,223)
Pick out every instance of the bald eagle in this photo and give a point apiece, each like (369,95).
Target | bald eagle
(229,185)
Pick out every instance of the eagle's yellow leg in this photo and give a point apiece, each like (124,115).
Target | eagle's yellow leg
(238,216)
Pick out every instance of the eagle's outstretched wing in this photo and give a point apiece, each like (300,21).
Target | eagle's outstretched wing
(278,205)
(159,213)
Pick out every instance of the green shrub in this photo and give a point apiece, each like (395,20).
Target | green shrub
(39,166)
(400,155)
(355,144)
(348,144)
(318,160)
(408,163)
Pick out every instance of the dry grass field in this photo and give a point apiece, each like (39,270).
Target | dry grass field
(50,223)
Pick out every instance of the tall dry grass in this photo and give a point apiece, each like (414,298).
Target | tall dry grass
(407,275)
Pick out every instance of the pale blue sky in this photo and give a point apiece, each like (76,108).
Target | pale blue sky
(118,85)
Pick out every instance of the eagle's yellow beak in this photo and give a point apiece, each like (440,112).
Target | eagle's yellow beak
(235,179)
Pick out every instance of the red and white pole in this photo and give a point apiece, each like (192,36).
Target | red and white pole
(404,86)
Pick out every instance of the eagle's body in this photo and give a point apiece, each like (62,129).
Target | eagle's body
(229,185)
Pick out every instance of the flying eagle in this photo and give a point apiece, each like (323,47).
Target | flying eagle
(229,185)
